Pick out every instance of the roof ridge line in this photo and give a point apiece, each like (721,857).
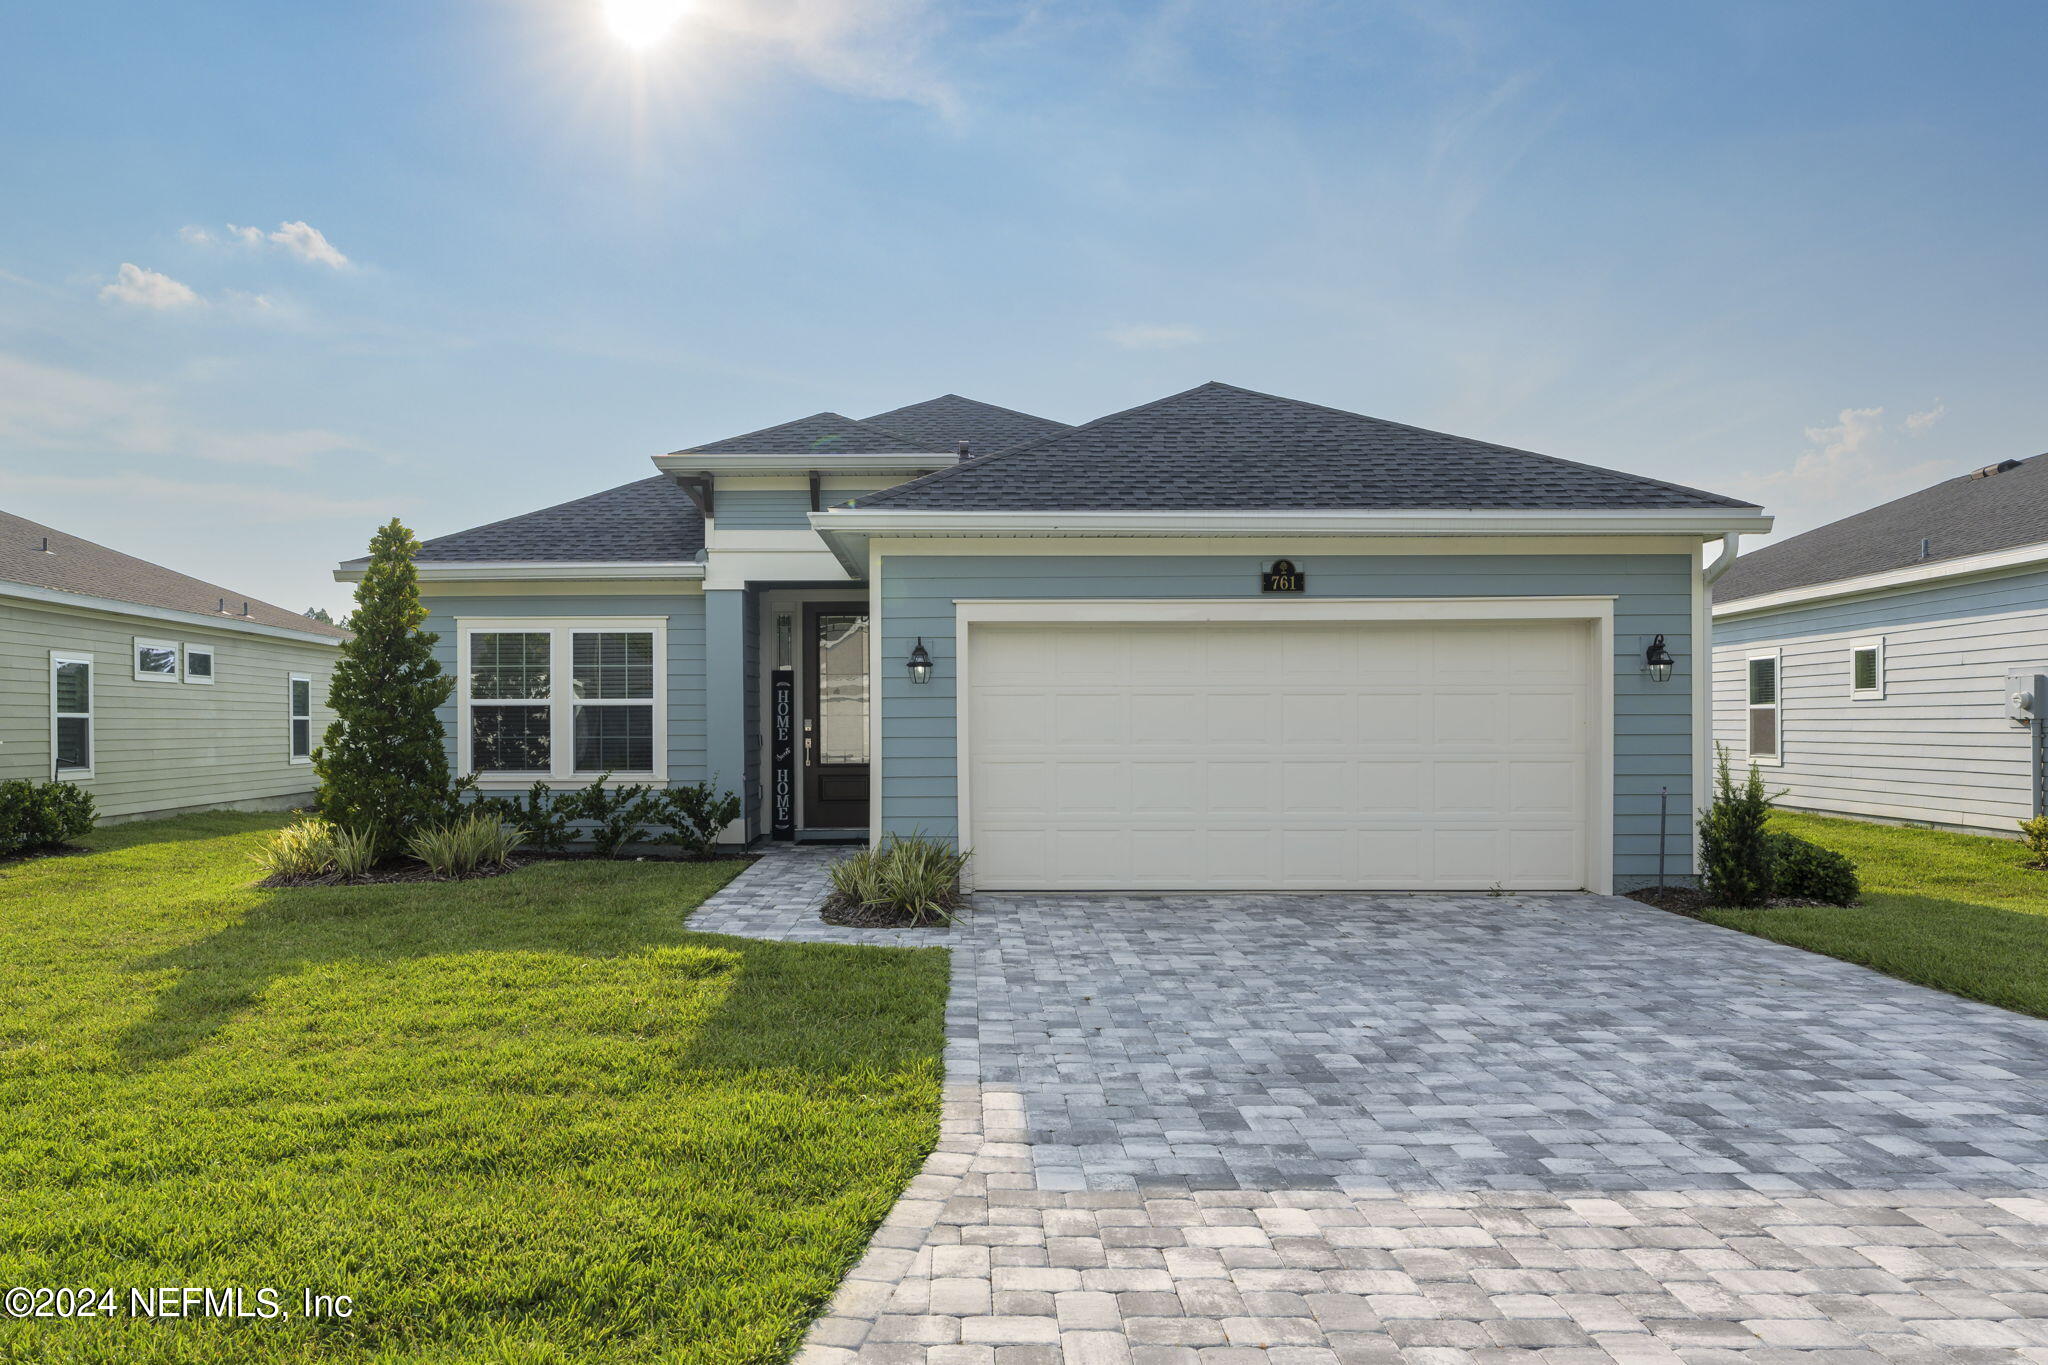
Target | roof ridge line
(980,460)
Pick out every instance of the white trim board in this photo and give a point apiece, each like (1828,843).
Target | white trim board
(1596,612)
(1968,566)
(114,607)
(523,571)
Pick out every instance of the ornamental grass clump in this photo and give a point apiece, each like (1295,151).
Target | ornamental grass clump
(299,851)
(466,847)
(911,880)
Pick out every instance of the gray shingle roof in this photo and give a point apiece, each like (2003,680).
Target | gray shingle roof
(822,433)
(1962,516)
(92,570)
(1221,448)
(949,419)
(648,519)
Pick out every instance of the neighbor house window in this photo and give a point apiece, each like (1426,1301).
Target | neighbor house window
(1866,670)
(71,715)
(302,718)
(199,663)
(1763,708)
(562,699)
(156,661)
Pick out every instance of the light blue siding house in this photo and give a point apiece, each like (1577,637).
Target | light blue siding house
(1223,641)
(1887,665)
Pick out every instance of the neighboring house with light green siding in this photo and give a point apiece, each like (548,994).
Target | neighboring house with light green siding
(156,692)
(1224,641)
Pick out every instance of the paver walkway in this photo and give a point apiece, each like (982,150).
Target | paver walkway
(1229,1130)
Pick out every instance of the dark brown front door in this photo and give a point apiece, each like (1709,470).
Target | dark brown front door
(835,749)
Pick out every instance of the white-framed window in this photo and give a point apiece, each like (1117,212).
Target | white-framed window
(562,699)
(71,723)
(199,664)
(300,704)
(1866,670)
(156,660)
(1766,733)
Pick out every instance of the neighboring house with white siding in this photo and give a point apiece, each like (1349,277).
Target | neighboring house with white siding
(1884,666)
(156,692)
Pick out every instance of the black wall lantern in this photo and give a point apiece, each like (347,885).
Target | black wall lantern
(921,662)
(1657,660)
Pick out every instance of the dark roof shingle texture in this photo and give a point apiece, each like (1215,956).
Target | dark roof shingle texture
(93,570)
(944,422)
(822,433)
(1958,517)
(1225,449)
(648,519)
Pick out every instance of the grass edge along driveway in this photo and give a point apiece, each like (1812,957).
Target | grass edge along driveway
(525,1119)
(1959,912)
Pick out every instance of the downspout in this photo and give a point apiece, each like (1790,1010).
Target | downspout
(1730,544)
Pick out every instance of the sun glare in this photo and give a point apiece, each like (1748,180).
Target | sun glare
(642,23)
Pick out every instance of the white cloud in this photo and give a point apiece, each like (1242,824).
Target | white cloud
(308,243)
(45,408)
(147,289)
(874,48)
(1917,422)
(1154,336)
(298,238)
(1849,465)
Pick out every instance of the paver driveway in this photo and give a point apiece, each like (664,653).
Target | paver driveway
(1320,1130)
(1450,1043)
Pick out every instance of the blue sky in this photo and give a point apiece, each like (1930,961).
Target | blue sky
(272,273)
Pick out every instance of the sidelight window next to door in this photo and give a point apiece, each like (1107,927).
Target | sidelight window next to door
(835,751)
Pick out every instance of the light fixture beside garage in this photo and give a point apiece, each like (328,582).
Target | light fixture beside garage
(920,663)
(1657,661)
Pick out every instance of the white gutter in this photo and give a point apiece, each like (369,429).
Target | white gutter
(1398,521)
(1995,561)
(114,606)
(513,570)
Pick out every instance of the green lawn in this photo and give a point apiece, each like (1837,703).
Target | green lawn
(530,1119)
(1957,911)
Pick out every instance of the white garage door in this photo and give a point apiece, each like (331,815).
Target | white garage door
(1299,756)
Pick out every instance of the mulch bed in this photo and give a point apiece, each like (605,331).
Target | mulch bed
(417,872)
(851,914)
(1692,902)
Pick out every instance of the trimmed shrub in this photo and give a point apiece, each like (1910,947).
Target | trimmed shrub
(40,815)
(621,814)
(538,815)
(2035,832)
(1802,870)
(1735,860)
(695,816)
(464,847)
(914,877)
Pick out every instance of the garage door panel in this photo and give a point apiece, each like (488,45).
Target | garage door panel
(1239,718)
(1399,756)
(1392,719)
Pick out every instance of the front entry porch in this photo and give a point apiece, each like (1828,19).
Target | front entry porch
(808,688)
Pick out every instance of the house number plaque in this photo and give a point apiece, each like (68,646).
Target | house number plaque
(782,753)
(1283,577)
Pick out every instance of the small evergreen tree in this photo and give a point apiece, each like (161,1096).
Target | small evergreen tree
(1735,854)
(383,763)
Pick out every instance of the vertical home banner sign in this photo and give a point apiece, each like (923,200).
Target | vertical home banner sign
(782,750)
